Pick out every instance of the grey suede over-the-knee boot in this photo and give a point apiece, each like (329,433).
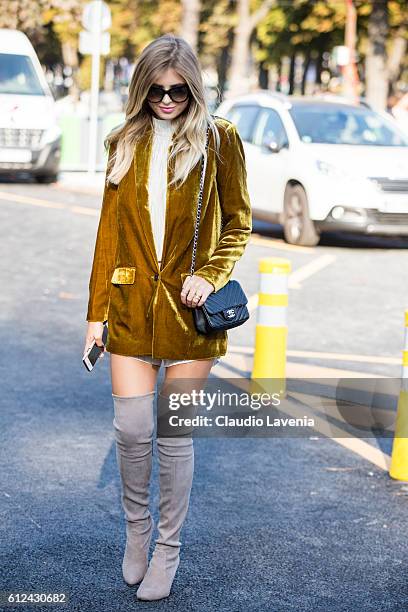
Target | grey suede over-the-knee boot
(134,425)
(176,468)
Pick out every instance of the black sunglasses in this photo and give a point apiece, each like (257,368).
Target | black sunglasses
(178,93)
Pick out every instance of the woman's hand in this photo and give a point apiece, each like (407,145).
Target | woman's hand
(195,291)
(94,332)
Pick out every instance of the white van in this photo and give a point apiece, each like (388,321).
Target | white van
(30,139)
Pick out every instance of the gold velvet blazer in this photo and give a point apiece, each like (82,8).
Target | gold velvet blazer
(142,302)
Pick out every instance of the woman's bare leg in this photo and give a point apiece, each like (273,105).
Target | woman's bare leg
(131,376)
(197,369)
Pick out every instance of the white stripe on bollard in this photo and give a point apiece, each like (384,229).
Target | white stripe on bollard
(273,283)
(272,315)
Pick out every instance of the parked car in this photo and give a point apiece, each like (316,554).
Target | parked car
(30,139)
(316,165)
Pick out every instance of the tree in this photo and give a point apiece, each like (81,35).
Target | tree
(190,22)
(245,25)
(386,26)
(301,32)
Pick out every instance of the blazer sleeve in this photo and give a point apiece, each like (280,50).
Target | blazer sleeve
(236,211)
(104,253)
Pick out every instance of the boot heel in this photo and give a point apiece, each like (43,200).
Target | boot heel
(160,575)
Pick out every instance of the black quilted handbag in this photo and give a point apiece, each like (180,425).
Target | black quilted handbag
(225,308)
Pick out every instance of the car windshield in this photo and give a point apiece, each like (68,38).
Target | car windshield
(345,125)
(17,76)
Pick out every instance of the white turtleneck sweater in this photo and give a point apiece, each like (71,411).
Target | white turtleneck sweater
(157,184)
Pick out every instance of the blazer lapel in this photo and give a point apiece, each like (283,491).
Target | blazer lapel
(141,162)
(185,201)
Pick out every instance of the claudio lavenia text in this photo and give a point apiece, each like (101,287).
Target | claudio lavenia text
(223,420)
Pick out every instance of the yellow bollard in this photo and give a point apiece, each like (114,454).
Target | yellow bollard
(399,456)
(271,327)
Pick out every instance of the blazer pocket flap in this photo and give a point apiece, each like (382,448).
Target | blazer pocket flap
(123,276)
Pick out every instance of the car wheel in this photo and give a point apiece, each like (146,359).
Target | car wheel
(46,178)
(298,228)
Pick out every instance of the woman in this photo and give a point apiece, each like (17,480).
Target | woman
(140,282)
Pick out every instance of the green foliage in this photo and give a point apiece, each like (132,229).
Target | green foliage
(300,25)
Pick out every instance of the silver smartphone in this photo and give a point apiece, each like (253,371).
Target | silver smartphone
(94,352)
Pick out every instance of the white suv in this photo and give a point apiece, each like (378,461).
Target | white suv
(30,139)
(316,165)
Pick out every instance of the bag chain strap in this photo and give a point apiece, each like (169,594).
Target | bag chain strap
(200,199)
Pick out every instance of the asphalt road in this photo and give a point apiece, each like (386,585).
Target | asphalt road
(274,524)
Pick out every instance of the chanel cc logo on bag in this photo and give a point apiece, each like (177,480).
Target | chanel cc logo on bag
(230,313)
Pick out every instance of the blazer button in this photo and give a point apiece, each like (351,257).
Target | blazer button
(156,276)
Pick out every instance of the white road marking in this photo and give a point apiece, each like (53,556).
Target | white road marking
(322,355)
(22,199)
(368,452)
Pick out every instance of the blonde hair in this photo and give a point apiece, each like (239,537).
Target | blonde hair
(167,51)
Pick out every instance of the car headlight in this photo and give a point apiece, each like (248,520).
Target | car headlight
(51,134)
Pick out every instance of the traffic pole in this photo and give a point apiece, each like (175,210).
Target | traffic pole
(271,327)
(399,457)
(93,114)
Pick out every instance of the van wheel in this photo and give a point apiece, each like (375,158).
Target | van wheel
(298,228)
(46,178)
